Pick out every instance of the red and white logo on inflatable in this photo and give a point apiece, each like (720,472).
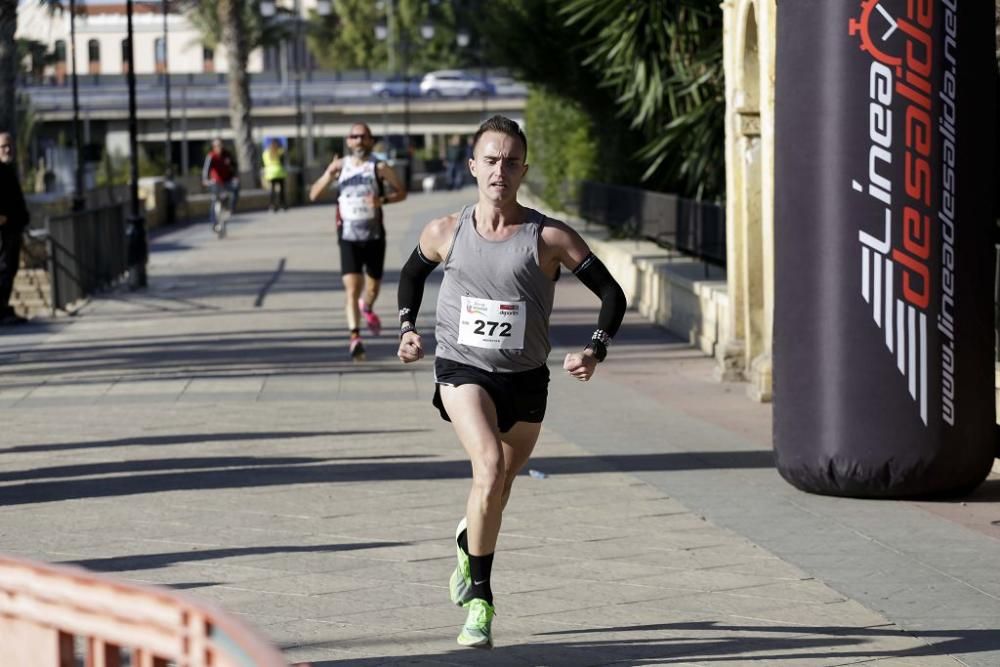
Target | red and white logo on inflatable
(911,200)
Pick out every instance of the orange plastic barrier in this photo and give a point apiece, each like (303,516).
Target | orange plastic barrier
(49,612)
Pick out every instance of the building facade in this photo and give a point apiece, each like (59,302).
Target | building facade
(749,45)
(101,30)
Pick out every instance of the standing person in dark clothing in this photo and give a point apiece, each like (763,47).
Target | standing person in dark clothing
(501,261)
(13,221)
(458,163)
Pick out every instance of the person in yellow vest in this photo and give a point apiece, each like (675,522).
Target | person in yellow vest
(274,173)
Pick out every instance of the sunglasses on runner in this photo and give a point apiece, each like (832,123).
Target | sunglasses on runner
(356,136)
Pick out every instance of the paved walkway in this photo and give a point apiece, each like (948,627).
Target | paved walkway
(210,434)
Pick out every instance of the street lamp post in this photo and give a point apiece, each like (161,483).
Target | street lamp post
(463,38)
(168,144)
(268,9)
(79,200)
(402,40)
(137,249)
(300,179)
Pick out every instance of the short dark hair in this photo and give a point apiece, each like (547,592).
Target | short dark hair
(503,125)
(368,130)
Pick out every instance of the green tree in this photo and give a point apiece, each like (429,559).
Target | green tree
(647,73)
(532,39)
(664,63)
(238,27)
(234,38)
(33,56)
(563,149)
(257,31)
(346,38)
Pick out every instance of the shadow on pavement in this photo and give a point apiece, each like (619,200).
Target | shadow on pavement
(155,561)
(793,644)
(229,355)
(190,438)
(156,465)
(267,473)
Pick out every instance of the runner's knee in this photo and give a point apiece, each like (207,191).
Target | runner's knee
(489,476)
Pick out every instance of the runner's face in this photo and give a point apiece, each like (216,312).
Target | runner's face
(498,165)
(359,141)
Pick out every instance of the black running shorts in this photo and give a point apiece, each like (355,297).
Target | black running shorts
(363,257)
(518,397)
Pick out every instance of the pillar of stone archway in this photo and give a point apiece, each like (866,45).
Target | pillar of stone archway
(749,68)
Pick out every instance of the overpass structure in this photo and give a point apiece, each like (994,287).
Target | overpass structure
(200,112)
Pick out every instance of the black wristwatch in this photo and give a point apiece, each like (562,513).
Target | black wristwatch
(599,348)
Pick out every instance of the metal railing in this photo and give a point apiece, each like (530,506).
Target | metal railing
(86,252)
(50,615)
(694,228)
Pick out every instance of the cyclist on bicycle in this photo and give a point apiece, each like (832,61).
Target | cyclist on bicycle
(220,174)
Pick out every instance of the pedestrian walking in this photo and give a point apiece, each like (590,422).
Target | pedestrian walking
(457,162)
(14,219)
(275,174)
(501,262)
(362,193)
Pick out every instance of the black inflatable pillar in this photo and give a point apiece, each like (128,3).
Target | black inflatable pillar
(884,207)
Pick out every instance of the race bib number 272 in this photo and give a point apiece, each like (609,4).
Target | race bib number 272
(495,325)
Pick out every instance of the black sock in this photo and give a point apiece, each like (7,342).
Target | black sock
(480,568)
(355,333)
(463,541)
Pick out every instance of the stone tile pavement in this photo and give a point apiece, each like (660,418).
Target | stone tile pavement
(210,434)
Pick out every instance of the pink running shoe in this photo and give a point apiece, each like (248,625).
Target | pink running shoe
(371,319)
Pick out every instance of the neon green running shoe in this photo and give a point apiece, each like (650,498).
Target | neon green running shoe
(478,629)
(460,585)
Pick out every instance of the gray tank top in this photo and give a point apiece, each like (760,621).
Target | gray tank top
(494,303)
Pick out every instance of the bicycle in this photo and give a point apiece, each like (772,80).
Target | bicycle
(223,209)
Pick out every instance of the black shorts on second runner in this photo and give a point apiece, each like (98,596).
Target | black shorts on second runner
(518,397)
(363,257)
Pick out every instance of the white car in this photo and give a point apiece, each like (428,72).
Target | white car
(397,86)
(454,83)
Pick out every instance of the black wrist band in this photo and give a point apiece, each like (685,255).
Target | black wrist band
(406,328)
(599,348)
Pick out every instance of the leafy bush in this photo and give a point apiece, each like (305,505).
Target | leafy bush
(562,150)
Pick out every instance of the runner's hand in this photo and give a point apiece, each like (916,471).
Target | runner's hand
(410,347)
(331,169)
(580,365)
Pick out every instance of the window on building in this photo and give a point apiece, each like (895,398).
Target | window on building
(125,56)
(207,59)
(59,50)
(94,56)
(160,55)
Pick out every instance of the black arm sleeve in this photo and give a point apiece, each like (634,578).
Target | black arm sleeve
(596,276)
(411,285)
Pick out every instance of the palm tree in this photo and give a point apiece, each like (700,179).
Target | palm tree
(237,26)
(234,39)
(8,65)
(663,61)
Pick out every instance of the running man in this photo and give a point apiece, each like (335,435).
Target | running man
(361,179)
(501,262)
(220,173)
